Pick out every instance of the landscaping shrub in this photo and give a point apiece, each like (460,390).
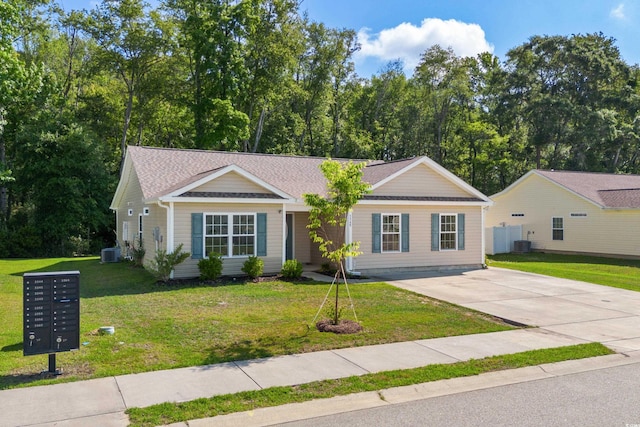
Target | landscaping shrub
(292,269)
(137,252)
(211,267)
(253,267)
(163,263)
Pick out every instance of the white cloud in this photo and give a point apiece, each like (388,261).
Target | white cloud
(407,41)
(618,12)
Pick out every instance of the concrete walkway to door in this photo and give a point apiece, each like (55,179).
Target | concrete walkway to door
(576,309)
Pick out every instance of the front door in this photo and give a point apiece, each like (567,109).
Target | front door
(289,242)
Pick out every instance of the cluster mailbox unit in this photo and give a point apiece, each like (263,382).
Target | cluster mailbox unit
(51,313)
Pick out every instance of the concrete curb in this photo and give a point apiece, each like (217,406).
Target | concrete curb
(367,400)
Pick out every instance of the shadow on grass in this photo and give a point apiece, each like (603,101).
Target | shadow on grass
(12,347)
(99,280)
(253,350)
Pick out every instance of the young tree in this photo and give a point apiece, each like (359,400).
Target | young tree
(328,215)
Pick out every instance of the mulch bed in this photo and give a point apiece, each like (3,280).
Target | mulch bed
(343,326)
(229,280)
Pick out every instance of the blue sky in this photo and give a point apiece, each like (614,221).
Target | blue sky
(403,29)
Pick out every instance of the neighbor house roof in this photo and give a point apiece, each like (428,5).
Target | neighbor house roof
(607,190)
(164,172)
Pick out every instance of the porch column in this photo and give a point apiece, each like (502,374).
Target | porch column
(348,238)
(284,233)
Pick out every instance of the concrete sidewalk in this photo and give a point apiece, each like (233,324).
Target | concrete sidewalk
(568,313)
(103,401)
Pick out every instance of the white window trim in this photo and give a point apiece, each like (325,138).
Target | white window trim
(382,233)
(145,211)
(130,212)
(230,234)
(455,233)
(554,228)
(140,225)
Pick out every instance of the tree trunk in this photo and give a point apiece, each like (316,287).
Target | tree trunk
(125,128)
(259,130)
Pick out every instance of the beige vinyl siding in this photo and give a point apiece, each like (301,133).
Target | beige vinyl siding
(602,231)
(420,181)
(231,266)
(231,182)
(157,218)
(420,254)
(132,200)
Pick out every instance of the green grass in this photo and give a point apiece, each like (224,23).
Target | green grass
(160,327)
(168,413)
(618,273)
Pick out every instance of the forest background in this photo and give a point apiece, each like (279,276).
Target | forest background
(77,87)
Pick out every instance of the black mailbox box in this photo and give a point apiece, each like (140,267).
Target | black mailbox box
(51,312)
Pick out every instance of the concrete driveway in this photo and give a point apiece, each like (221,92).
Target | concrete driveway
(577,309)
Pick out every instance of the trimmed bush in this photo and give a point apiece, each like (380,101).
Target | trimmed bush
(292,269)
(211,267)
(253,267)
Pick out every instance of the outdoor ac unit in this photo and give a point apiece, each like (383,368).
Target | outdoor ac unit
(522,246)
(110,255)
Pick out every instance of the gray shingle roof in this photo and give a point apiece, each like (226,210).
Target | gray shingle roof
(604,189)
(162,170)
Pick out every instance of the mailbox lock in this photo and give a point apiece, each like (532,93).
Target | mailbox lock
(59,339)
(32,336)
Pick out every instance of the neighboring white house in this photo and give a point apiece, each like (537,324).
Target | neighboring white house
(571,212)
(418,214)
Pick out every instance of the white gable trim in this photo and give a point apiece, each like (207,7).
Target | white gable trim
(220,172)
(535,172)
(122,183)
(423,203)
(440,171)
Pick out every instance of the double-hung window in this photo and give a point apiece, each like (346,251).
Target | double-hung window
(390,232)
(230,235)
(448,232)
(557,228)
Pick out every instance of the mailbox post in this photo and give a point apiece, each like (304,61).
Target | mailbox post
(51,319)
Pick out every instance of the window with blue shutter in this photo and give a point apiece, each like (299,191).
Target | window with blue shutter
(261,234)
(405,232)
(197,244)
(375,233)
(460,231)
(435,231)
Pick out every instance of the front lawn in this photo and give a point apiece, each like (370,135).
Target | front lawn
(618,273)
(161,327)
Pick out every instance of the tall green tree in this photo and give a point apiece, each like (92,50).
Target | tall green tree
(562,87)
(130,43)
(213,33)
(20,83)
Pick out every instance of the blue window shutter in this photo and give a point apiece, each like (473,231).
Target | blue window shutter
(461,232)
(197,243)
(261,234)
(405,232)
(375,233)
(435,232)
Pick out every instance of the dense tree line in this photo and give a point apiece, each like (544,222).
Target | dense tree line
(77,87)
